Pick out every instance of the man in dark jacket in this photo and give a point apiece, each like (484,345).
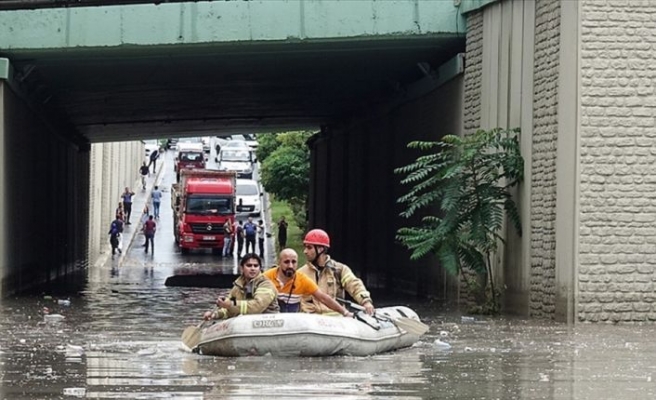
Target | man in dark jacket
(115,230)
(154,155)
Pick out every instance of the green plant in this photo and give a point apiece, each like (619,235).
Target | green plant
(285,172)
(468,180)
(266,144)
(294,232)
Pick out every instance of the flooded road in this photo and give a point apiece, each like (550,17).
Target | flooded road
(120,338)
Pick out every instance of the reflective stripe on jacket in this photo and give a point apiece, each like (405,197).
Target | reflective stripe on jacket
(333,280)
(258,296)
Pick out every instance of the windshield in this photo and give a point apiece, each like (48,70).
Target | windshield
(235,155)
(208,204)
(191,157)
(246,190)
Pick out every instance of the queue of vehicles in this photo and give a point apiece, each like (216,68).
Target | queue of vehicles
(204,199)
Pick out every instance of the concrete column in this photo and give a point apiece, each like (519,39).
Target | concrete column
(567,164)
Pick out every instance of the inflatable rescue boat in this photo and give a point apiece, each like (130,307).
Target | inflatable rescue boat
(299,334)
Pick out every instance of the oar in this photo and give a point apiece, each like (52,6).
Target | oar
(407,324)
(191,335)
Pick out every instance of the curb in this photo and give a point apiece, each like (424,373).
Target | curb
(156,182)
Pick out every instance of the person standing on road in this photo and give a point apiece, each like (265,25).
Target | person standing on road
(127,204)
(154,155)
(143,171)
(115,230)
(333,277)
(149,228)
(282,233)
(291,286)
(251,293)
(156,195)
(250,230)
(227,235)
(260,237)
(239,231)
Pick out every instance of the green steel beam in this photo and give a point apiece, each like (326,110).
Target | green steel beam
(225,21)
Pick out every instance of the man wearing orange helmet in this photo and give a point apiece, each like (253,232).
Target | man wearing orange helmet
(333,278)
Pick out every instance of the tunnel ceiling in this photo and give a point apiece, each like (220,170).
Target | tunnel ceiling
(117,94)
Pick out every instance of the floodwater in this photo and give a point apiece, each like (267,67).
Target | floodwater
(120,339)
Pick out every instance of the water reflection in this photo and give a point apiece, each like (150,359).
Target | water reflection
(119,338)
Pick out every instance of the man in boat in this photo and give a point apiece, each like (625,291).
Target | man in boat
(292,286)
(251,293)
(333,278)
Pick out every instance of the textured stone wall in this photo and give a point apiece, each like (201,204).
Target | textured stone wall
(543,181)
(473,72)
(618,162)
(113,166)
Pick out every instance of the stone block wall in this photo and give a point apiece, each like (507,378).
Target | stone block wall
(543,180)
(473,72)
(617,249)
(113,166)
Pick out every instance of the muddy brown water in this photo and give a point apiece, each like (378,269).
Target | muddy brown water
(120,339)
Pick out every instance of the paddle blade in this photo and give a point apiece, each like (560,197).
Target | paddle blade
(411,325)
(191,336)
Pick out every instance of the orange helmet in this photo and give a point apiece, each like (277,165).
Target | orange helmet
(317,237)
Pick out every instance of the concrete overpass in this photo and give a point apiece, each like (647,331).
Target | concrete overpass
(124,72)
(77,76)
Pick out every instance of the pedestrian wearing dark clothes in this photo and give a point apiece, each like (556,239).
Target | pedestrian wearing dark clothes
(260,237)
(282,233)
(250,230)
(154,155)
(127,204)
(143,171)
(240,237)
(115,230)
(149,232)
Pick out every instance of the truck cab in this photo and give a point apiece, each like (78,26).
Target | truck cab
(190,156)
(202,202)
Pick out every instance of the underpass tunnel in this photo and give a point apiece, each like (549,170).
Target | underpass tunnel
(72,122)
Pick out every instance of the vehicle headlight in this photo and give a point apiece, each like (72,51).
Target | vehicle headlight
(188,238)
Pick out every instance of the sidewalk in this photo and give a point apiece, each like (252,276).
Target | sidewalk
(139,200)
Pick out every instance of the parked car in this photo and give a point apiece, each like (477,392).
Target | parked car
(239,160)
(249,202)
(149,146)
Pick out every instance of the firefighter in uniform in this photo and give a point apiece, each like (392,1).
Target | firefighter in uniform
(251,293)
(333,278)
